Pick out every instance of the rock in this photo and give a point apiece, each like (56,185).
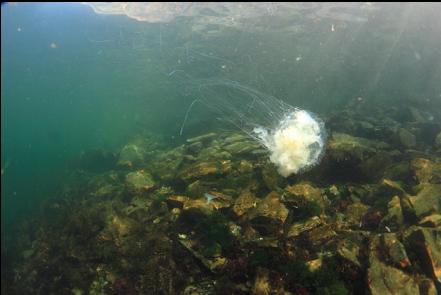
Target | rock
(201,206)
(131,155)
(211,202)
(390,188)
(213,152)
(244,202)
(235,137)
(438,140)
(427,287)
(245,167)
(262,284)
(269,215)
(394,217)
(218,200)
(272,179)
(197,188)
(350,156)
(299,194)
(406,139)
(200,288)
(203,138)
(350,252)
(139,181)
(371,220)
(242,147)
(167,164)
(425,243)
(138,207)
(398,171)
(176,201)
(106,191)
(384,279)
(426,132)
(319,236)
(205,169)
(427,201)
(375,166)
(426,171)
(300,227)
(214,263)
(433,220)
(354,214)
(194,148)
(394,250)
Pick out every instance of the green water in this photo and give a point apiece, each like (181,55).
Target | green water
(73,80)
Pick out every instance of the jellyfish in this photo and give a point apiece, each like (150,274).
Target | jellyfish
(295,138)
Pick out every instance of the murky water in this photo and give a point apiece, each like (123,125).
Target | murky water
(131,165)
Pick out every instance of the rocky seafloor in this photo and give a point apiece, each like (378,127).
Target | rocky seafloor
(212,216)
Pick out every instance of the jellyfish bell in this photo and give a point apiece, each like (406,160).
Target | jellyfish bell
(296,144)
(294,138)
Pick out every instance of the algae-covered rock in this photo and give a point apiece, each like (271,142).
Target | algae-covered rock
(406,138)
(139,181)
(166,165)
(394,217)
(354,214)
(131,155)
(300,227)
(176,201)
(433,220)
(205,169)
(394,250)
(350,157)
(427,201)
(197,188)
(319,236)
(386,279)
(203,138)
(438,140)
(272,179)
(349,249)
(304,200)
(244,202)
(425,243)
(215,262)
(426,171)
(269,215)
(138,207)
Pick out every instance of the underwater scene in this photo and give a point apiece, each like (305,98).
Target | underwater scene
(220,148)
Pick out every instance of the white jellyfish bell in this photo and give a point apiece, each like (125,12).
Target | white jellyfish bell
(296,144)
(295,138)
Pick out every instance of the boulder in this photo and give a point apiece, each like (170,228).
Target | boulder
(244,202)
(425,243)
(269,215)
(385,279)
(355,158)
(426,171)
(427,201)
(139,181)
(131,155)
